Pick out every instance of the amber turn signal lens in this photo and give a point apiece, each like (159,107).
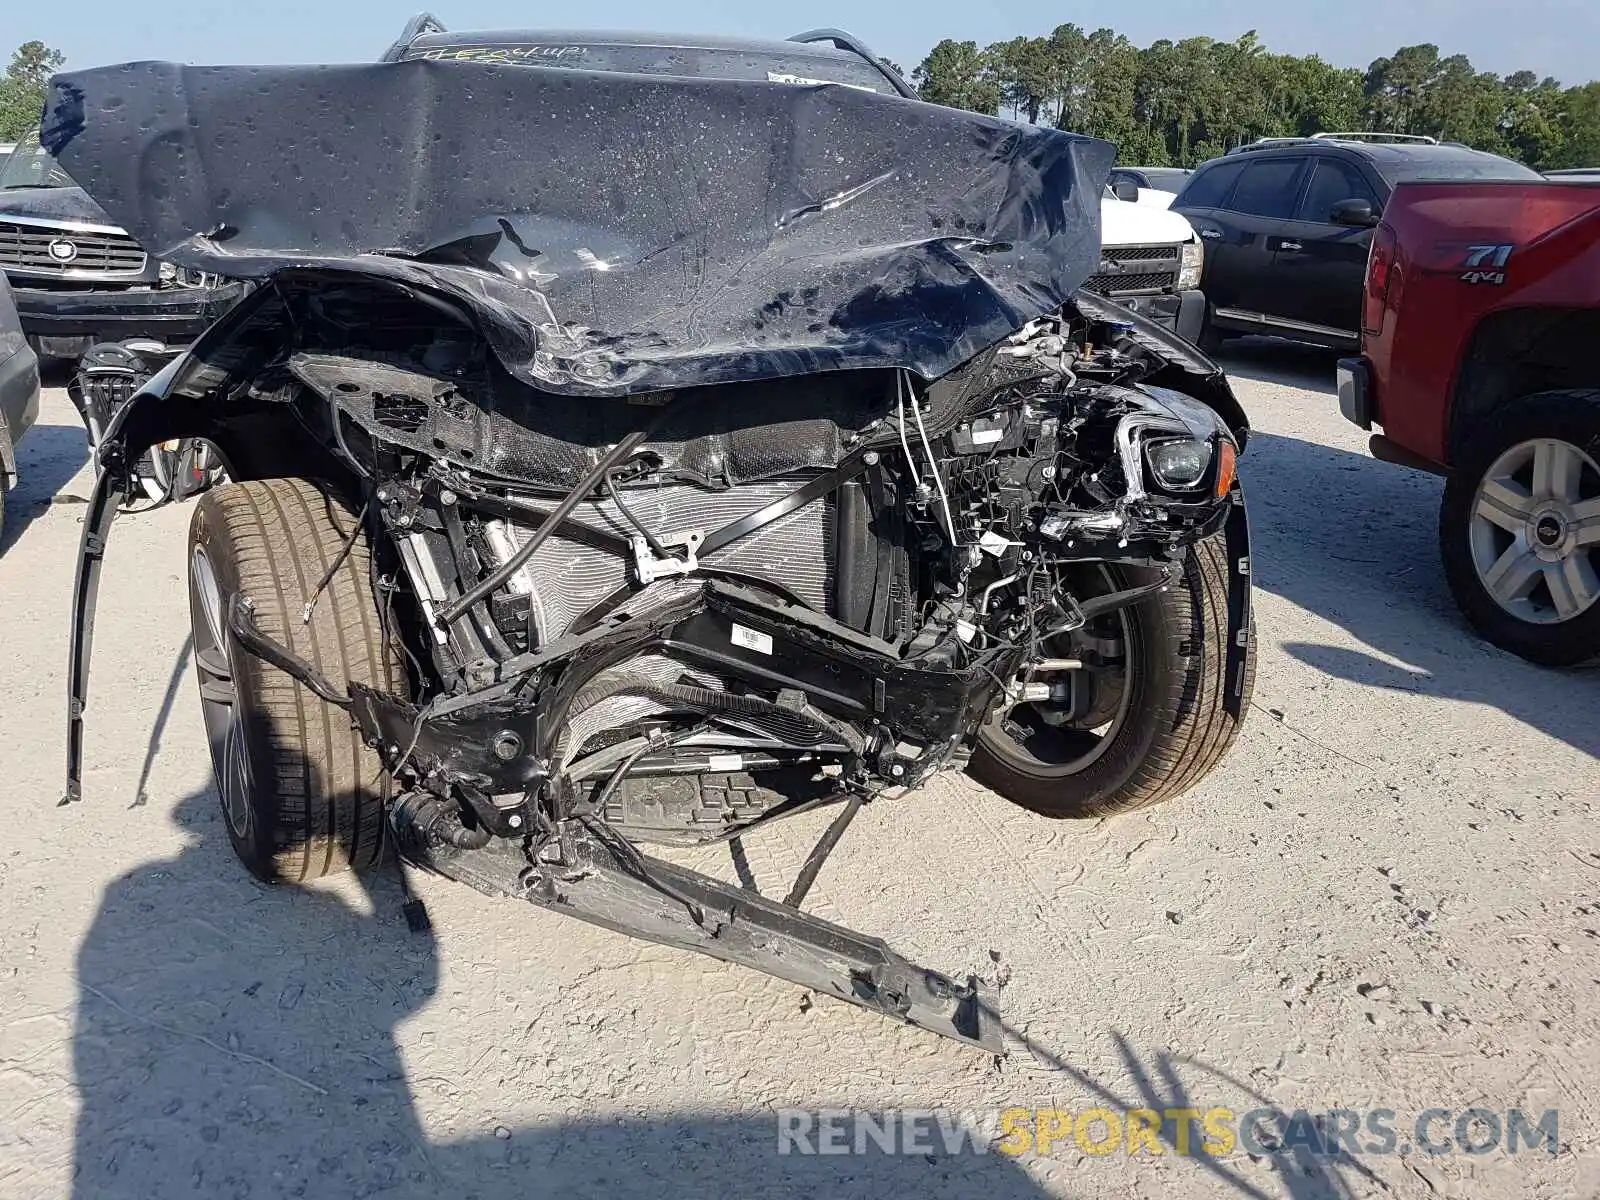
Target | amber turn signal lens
(1227,467)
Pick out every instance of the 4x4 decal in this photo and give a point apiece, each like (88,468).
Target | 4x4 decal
(1486,263)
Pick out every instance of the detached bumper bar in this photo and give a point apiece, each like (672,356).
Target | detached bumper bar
(67,322)
(730,924)
(109,491)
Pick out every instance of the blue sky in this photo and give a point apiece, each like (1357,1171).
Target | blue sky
(1550,37)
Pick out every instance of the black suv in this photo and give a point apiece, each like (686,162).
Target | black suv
(1287,223)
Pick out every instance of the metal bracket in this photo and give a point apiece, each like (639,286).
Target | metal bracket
(649,568)
(110,489)
(251,638)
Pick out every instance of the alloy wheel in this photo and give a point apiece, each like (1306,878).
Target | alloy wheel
(1535,531)
(219,697)
(1063,737)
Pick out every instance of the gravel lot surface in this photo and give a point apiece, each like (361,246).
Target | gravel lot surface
(1388,897)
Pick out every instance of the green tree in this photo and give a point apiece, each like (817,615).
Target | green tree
(1158,103)
(22,88)
(1111,75)
(958,75)
(1530,119)
(1579,121)
(1318,96)
(1022,68)
(1067,49)
(1177,103)
(1396,87)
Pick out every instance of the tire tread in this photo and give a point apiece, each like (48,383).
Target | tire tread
(327,788)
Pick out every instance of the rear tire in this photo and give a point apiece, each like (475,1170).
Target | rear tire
(302,795)
(1500,503)
(1174,728)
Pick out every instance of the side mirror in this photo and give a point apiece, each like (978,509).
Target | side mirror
(1126,189)
(1354,212)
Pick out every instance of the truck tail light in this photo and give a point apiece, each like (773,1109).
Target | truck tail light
(1380,272)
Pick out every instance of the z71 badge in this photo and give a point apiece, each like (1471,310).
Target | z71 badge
(1486,264)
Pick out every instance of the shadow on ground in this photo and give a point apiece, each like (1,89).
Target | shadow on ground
(1355,541)
(238,1040)
(47,459)
(1273,360)
(1300,1162)
(235,1039)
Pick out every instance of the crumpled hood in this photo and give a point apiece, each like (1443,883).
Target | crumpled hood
(54,204)
(609,233)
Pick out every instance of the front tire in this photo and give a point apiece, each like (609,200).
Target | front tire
(302,795)
(1519,528)
(1162,729)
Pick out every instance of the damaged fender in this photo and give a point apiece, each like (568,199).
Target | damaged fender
(141,423)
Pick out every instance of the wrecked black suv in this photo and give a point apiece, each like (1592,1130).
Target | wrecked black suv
(683,455)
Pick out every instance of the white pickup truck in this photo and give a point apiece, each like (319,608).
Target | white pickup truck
(1150,262)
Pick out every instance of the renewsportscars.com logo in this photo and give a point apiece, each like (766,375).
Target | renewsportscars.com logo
(1181,1131)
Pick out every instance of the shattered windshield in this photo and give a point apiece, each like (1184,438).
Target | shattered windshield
(693,62)
(30,165)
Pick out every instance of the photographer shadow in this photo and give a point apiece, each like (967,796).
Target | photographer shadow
(235,1039)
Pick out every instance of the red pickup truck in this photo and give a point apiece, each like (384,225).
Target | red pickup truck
(1480,360)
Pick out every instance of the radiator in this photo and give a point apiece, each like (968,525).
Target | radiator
(566,578)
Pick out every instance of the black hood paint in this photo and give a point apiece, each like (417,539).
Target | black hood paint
(53,204)
(610,233)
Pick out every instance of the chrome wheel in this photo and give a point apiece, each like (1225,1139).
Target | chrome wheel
(219,698)
(1535,531)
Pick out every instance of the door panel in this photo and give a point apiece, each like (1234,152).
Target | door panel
(1201,204)
(1318,267)
(1239,234)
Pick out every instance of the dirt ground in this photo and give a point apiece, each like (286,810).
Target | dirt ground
(1387,898)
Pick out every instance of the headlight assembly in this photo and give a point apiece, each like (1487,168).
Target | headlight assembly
(1178,464)
(1191,264)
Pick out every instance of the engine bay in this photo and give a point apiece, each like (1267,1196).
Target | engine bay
(687,613)
(678,617)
